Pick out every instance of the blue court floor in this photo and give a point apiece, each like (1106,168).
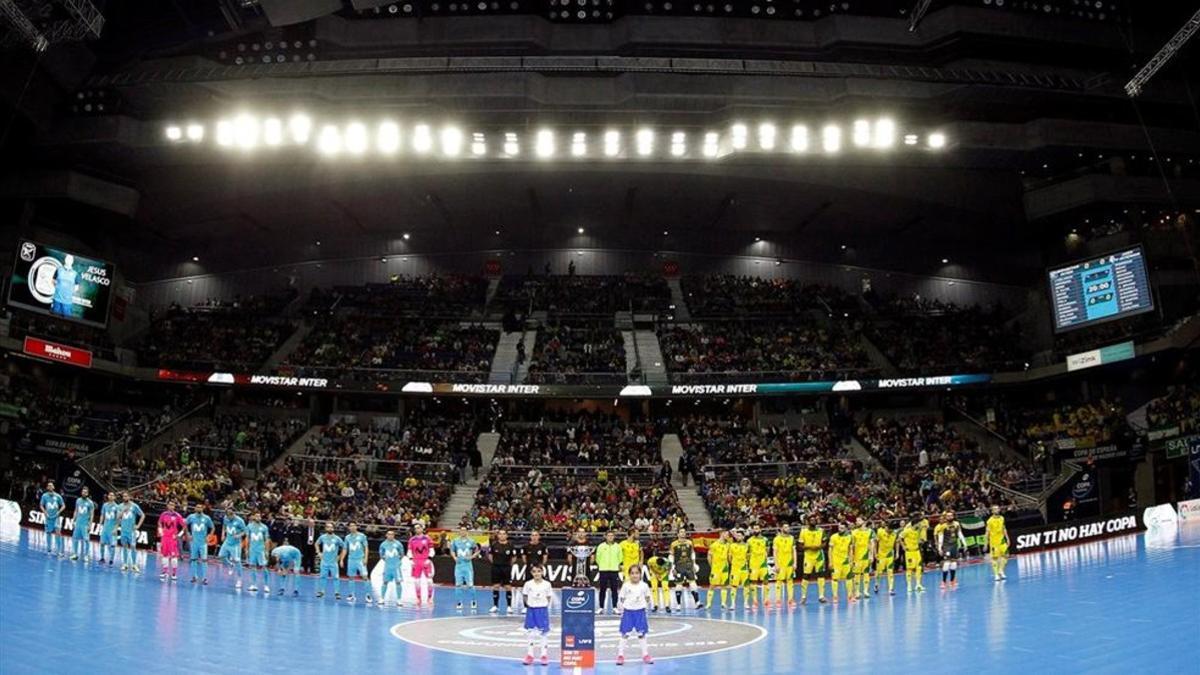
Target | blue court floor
(1121,605)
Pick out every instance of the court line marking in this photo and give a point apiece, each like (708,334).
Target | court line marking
(761,636)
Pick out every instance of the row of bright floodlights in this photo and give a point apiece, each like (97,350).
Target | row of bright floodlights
(247,132)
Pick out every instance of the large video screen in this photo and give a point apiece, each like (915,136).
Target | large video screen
(1107,288)
(58,283)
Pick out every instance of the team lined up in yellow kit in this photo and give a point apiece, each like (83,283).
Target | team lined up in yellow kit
(854,557)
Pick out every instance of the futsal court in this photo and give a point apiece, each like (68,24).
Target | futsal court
(1127,604)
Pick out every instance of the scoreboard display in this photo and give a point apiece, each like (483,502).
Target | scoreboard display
(1106,288)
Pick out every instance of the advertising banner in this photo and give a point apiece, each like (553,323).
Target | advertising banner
(58,353)
(58,283)
(1072,532)
(1189,510)
(62,444)
(1122,351)
(578,628)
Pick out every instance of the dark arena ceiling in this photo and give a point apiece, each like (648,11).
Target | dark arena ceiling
(1027,95)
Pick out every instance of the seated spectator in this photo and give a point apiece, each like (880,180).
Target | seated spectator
(357,341)
(239,335)
(922,336)
(422,437)
(425,295)
(591,294)
(564,350)
(583,440)
(1178,409)
(792,350)
(722,295)
(556,501)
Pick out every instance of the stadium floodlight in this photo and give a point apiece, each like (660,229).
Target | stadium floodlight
(712,142)
(329,142)
(272,131)
(644,142)
(799,140)
(225,134)
(246,131)
(300,127)
(355,138)
(937,140)
(861,135)
(612,143)
(678,144)
(452,141)
(387,138)
(831,138)
(579,144)
(737,136)
(174,133)
(885,132)
(766,136)
(422,139)
(478,144)
(512,146)
(543,145)
(195,132)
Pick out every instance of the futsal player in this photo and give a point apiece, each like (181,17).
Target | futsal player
(950,540)
(287,564)
(171,527)
(420,547)
(132,518)
(841,552)
(331,551)
(997,536)
(358,554)
(233,528)
(885,556)
(199,526)
(109,514)
(910,541)
(631,552)
(812,540)
(864,542)
(783,547)
(464,550)
(659,568)
(756,545)
(81,539)
(391,551)
(538,596)
(632,602)
(258,536)
(683,555)
(52,505)
(739,570)
(718,565)
(501,553)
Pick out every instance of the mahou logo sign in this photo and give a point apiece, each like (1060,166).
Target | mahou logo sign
(52,351)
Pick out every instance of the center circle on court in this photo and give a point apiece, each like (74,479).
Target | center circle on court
(504,637)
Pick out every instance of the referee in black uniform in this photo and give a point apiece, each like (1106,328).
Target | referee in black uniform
(501,553)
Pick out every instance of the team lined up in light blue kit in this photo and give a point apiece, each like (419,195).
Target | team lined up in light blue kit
(120,522)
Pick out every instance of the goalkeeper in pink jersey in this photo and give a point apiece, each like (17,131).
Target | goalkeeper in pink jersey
(420,547)
(170,531)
